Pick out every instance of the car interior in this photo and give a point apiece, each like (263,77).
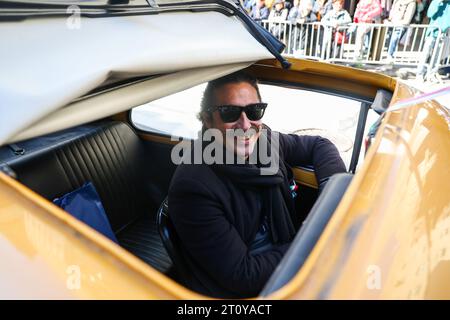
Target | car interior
(131,170)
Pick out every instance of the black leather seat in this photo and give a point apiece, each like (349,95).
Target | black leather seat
(171,241)
(110,155)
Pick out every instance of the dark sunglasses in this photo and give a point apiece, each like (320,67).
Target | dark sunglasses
(231,113)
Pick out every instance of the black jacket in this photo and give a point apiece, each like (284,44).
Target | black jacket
(216,220)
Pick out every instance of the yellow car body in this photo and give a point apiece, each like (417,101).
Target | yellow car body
(392,224)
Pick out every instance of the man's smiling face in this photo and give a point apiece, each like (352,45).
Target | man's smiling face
(238,94)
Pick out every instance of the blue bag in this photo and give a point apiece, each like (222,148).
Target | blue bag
(85,205)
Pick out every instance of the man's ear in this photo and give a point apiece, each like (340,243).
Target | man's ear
(208,121)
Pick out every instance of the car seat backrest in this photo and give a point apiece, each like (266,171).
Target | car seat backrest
(106,153)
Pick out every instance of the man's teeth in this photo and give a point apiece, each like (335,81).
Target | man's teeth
(246,135)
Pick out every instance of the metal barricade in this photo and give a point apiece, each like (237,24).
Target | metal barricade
(363,44)
(380,44)
(301,40)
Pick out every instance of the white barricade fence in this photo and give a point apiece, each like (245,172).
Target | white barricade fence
(304,40)
(360,43)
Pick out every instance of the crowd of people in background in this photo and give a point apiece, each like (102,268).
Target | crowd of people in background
(398,14)
(369,11)
(377,11)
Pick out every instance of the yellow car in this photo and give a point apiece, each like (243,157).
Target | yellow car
(97,93)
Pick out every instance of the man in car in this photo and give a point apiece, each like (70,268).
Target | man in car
(234,221)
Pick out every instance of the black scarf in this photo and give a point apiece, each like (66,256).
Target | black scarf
(278,204)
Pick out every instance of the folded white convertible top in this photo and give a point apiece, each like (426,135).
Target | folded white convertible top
(46,63)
